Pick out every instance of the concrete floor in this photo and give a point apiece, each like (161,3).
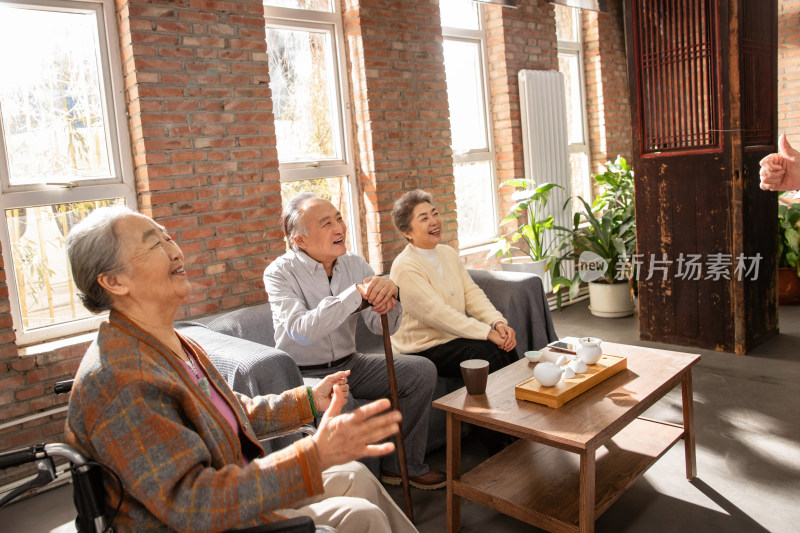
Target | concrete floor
(748,450)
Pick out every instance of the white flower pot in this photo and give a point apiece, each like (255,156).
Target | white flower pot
(524,264)
(611,300)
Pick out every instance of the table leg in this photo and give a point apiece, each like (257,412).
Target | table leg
(688,425)
(587,489)
(453,473)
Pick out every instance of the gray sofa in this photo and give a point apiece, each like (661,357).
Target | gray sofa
(252,366)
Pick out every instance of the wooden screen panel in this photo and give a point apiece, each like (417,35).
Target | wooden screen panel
(678,74)
(758,97)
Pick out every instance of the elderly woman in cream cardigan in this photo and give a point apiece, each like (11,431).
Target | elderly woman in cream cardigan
(438,293)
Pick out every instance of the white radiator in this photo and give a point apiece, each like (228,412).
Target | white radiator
(545,143)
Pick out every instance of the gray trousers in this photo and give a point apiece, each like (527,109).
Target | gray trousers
(416,379)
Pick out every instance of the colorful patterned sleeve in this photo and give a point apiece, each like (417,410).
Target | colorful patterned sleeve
(274,413)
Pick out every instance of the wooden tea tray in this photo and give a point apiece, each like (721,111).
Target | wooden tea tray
(567,389)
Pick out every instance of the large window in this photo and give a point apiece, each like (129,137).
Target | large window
(312,123)
(570,64)
(64,151)
(473,151)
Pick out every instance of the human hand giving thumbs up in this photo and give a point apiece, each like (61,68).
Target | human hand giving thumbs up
(781,171)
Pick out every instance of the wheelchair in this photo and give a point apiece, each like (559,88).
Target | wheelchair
(88,491)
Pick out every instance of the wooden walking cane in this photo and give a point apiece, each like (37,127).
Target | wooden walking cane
(401,445)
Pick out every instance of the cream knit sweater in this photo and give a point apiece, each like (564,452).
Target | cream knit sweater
(434,305)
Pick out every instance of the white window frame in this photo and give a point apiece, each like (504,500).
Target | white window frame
(329,22)
(575,49)
(119,185)
(481,155)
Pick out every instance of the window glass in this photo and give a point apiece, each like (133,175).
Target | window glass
(38,235)
(312,5)
(64,151)
(568,65)
(581,185)
(465,95)
(473,152)
(52,106)
(567,23)
(477,223)
(459,14)
(303,89)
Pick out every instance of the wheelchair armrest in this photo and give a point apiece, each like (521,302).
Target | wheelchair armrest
(63,387)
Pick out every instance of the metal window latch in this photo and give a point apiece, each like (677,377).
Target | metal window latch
(63,184)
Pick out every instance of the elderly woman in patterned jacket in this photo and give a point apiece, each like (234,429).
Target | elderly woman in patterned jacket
(148,403)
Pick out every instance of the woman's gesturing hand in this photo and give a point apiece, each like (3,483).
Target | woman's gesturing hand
(322,392)
(346,437)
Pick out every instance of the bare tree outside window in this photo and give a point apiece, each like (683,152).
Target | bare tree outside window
(304,120)
(52,105)
(39,240)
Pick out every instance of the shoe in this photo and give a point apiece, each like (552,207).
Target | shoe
(430,481)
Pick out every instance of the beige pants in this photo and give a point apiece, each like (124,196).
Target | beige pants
(353,502)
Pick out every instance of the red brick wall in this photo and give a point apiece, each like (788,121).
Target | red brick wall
(606,78)
(8,347)
(789,70)
(203,140)
(401,115)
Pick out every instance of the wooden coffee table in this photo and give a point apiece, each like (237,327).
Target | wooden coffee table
(571,463)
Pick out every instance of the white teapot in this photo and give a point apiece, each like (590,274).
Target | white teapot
(547,374)
(589,350)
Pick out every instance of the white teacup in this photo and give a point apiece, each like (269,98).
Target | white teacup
(533,356)
(578,366)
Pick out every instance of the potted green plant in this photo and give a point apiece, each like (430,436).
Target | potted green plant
(602,242)
(789,253)
(530,201)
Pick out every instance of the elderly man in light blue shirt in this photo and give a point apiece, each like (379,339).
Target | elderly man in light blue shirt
(315,291)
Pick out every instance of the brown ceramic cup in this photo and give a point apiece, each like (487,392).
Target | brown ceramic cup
(475,373)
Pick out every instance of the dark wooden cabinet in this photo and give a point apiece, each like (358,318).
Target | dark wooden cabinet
(703,82)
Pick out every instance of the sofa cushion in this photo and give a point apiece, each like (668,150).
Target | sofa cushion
(252,323)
